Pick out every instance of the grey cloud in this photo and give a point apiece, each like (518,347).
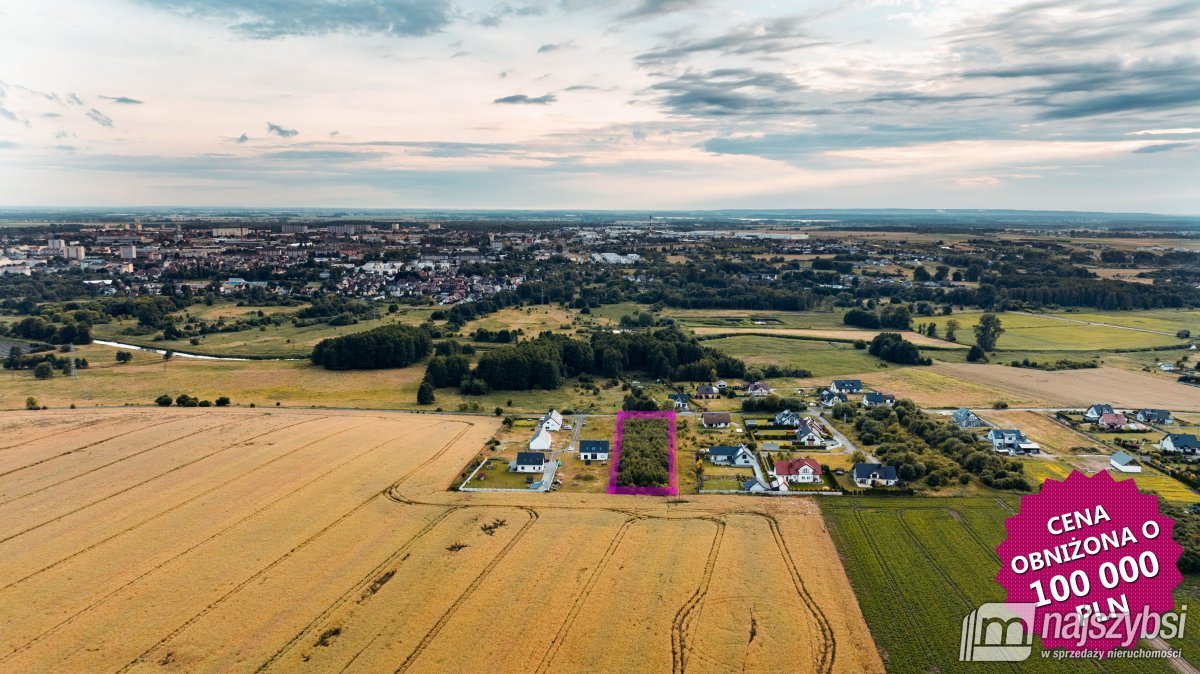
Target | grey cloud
(646,9)
(1162,147)
(123,100)
(272,19)
(100,118)
(280,131)
(552,46)
(242,139)
(496,15)
(51,115)
(7,145)
(731,91)
(74,100)
(761,38)
(522,99)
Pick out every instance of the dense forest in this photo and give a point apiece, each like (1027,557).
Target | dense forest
(645,459)
(384,347)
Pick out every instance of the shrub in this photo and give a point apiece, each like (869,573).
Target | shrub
(31,403)
(223,401)
(164,400)
(425,395)
(43,370)
(124,356)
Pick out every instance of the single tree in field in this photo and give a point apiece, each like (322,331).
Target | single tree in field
(952,327)
(987,331)
(1182,334)
(921,274)
(43,371)
(124,356)
(425,394)
(976,355)
(31,403)
(164,400)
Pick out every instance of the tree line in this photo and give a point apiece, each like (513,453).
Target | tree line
(383,347)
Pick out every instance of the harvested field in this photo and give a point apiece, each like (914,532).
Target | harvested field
(938,386)
(1055,438)
(256,540)
(1078,388)
(849,334)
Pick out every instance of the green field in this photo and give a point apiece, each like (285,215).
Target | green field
(282,341)
(823,359)
(1025,332)
(693,318)
(918,566)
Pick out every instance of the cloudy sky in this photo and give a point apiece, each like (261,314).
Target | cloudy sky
(1087,105)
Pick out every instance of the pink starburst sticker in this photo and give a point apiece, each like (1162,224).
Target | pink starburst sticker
(1096,559)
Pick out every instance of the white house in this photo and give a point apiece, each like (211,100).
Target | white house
(593,450)
(1012,441)
(754,486)
(552,422)
(1096,411)
(1154,417)
(758,388)
(715,419)
(1124,463)
(803,471)
(787,418)
(528,462)
(831,398)
(726,455)
(1184,443)
(810,434)
(965,418)
(541,440)
(874,475)
(875,399)
(680,400)
(846,386)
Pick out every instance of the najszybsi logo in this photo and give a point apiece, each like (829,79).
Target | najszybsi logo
(1004,632)
(997,633)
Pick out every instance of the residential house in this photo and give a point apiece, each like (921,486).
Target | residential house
(726,455)
(1012,441)
(541,440)
(831,398)
(680,400)
(1154,417)
(707,391)
(758,388)
(1120,461)
(875,399)
(552,422)
(715,419)
(788,418)
(528,462)
(1096,411)
(754,486)
(803,471)
(721,385)
(810,434)
(965,418)
(874,475)
(1113,422)
(846,386)
(593,450)
(1184,443)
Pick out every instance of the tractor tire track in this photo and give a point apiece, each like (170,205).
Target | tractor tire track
(68,429)
(357,588)
(73,617)
(577,606)
(130,456)
(286,556)
(178,505)
(681,626)
(132,487)
(91,444)
(914,625)
(392,492)
(912,538)
(827,651)
(487,570)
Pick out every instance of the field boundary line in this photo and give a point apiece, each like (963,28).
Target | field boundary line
(177,505)
(681,626)
(366,581)
(130,456)
(131,487)
(165,562)
(912,537)
(449,613)
(287,555)
(564,629)
(91,444)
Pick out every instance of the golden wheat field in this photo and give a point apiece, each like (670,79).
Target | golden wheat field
(249,540)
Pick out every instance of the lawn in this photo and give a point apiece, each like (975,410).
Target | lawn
(823,359)
(1025,332)
(918,566)
(722,484)
(495,475)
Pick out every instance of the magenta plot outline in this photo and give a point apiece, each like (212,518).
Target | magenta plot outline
(673,488)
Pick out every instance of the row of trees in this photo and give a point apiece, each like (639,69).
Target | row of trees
(894,317)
